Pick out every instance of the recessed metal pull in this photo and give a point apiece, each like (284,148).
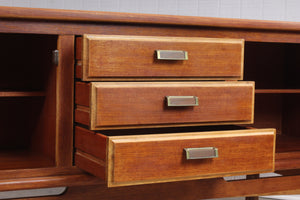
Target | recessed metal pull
(201,153)
(182,101)
(171,55)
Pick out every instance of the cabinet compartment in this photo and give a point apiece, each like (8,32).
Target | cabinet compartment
(272,65)
(27,101)
(137,57)
(275,68)
(151,158)
(108,105)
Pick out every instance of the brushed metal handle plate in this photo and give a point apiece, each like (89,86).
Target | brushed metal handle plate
(201,153)
(31,193)
(182,101)
(171,55)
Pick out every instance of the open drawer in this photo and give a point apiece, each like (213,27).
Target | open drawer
(103,57)
(143,158)
(112,105)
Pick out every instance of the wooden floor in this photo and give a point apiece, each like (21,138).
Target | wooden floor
(291,197)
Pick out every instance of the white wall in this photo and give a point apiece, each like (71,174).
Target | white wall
(286,10)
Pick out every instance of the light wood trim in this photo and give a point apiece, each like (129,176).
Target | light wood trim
(110,162)
(172,84)
(87,37)
(85,58)
(135,18)
(191,135)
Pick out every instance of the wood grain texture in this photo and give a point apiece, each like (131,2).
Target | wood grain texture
(28,103)
(287,160)
(54,27)
(47,22)
(45,182)
(132,159)
(91,142)
(78,70)
(90,164)
(22,159)
(189,190)
(96,16)
(134,56)
(78,48)
(65,101)
(38,172)
(82,115)
(116,104)
(82,94)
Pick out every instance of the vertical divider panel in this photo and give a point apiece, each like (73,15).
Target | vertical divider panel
(65,104)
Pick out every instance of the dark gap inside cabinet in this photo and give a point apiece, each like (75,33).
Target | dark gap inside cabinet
(188,129)
(27,101)
(275,68)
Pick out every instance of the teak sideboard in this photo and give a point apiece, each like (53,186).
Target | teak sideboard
(137,106)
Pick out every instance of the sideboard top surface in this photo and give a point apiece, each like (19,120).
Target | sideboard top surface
(61,15)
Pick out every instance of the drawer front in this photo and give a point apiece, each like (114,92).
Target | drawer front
(142,159)
(144,104)
(110,56)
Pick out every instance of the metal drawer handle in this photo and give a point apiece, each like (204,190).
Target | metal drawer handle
(201,153)
(182,101)
(171,55)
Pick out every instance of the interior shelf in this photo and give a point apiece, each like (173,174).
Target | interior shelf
(21,94)
(23,159)
(274,68)
(27,101)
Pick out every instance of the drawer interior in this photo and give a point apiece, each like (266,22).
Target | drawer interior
(275,68)
(27,101)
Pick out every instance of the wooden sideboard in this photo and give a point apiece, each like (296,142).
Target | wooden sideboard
(138,106)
